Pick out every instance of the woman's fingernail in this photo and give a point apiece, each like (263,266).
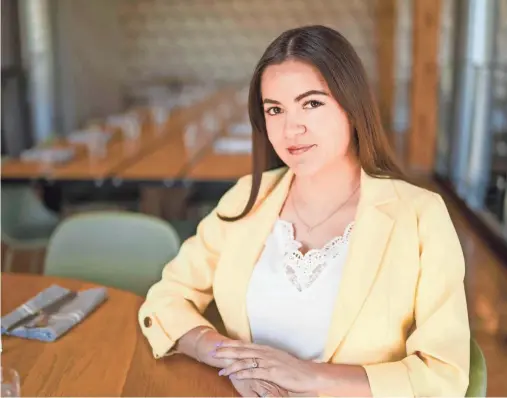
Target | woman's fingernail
(213,353)
(221,373)
(219,344)
(232,377)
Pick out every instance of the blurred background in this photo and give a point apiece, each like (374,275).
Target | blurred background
(135,111)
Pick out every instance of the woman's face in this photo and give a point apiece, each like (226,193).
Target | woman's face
(306,126)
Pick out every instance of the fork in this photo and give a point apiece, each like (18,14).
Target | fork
(42,316)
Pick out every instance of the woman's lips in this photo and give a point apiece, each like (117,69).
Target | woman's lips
(299,149)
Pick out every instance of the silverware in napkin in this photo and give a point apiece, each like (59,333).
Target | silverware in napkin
(40,318)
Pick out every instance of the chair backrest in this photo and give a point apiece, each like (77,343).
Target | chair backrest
(478,372)
(118,249)
(21,205)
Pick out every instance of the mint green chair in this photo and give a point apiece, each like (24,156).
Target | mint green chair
(26,223)
(478,372)
(118,249)
(185,228)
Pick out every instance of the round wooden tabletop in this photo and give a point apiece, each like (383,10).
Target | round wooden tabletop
(105,355)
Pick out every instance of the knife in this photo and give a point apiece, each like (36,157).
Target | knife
(46,310)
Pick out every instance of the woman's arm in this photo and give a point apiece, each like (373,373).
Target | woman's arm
(174,305)
(438,349)
(199,343)
(338,381)
(342,380)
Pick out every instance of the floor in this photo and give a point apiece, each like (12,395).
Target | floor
(486,283)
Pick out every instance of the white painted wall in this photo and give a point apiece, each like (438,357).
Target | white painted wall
(88,61)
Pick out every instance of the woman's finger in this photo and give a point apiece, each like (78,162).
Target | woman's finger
(254,373)
(245,389)
(242,364)
(236,353)
(241,344)
(264,389)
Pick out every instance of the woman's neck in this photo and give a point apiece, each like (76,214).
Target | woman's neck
(329,186)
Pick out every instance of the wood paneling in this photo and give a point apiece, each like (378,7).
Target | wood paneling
(424,104)
(386,21)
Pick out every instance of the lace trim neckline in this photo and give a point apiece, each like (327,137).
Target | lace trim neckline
(303,269)
(288,228)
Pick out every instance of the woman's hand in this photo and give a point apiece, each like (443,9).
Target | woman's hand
(258,388)
(257,362)
(199,343)
(206,345)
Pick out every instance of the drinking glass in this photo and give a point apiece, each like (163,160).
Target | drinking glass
(97,145)
(190,139)
(10,382)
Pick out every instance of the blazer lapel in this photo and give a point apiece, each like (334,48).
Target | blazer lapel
(369,238)
(251,238)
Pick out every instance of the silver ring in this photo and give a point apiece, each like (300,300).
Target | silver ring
(255,364)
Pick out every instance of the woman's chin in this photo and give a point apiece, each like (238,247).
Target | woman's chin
(305,169)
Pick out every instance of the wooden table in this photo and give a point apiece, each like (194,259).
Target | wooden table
(17,169)
(175,161)
(220,167)
(105,355)
(167,162)
(122,153)
(216,166)
(170,160)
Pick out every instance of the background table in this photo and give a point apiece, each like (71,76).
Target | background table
(105,355)
(220,167)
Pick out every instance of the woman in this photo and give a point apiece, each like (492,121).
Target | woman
(333,275)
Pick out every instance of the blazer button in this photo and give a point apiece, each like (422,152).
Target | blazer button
(147,321)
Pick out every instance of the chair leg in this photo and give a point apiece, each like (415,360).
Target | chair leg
(34,260)
(9,256)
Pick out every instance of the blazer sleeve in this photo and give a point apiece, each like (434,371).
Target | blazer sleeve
(175,304)
(438,349)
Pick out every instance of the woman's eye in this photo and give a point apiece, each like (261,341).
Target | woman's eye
(312,104)
(274,110)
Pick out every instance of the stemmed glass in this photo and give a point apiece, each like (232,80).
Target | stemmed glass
(10,382)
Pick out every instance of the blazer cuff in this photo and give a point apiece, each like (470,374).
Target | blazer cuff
(389,379)
(163,330)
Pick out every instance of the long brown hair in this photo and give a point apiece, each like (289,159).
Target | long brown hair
(344,73)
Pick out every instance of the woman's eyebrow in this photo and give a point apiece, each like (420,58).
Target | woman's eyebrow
(311,92)
(270,101)
(298,98)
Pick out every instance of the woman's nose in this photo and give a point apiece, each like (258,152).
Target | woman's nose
(294,127)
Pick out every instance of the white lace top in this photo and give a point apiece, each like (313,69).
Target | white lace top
(291,296)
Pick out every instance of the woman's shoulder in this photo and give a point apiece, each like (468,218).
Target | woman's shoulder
(435,225)
(417,197)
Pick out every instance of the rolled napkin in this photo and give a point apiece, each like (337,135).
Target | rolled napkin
(232,145)
(48,155)
(88,136)
(241,129)
(57,323)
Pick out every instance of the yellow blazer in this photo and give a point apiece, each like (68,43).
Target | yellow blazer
(401,310)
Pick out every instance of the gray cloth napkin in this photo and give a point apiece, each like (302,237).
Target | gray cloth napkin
(68,315)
